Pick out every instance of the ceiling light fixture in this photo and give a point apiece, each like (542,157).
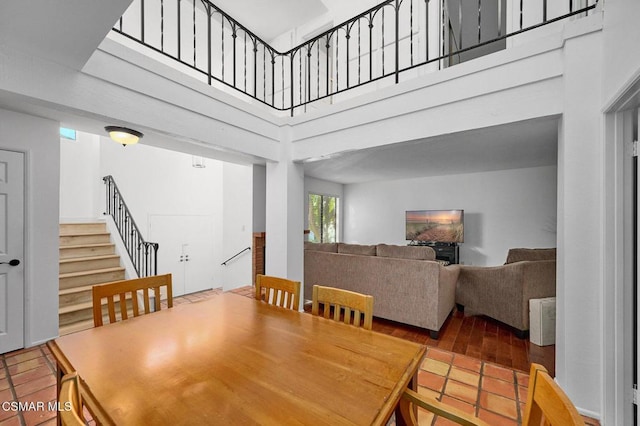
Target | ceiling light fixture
(123,135)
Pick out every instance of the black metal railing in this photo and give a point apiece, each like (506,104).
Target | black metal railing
(383,42)
(143,254)
(235,255)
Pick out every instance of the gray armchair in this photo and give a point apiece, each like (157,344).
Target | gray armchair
(503,292)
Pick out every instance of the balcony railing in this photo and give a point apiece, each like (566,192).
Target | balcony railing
(382,43)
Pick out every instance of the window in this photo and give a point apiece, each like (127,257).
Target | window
(323,218)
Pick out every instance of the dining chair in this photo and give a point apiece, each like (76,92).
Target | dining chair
(278,291)
(128,292)
(547,405)
(360,305)
(70,400)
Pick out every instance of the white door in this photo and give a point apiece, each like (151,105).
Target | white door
(185,250)
(11,251)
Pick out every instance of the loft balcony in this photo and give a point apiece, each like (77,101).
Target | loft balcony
(394,41)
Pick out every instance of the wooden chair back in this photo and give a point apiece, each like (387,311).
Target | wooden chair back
(128,290)
(547,404)
(349,305)
(71,412)
(278,291)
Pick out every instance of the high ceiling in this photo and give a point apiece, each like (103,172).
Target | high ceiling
(269,19)
(34,27)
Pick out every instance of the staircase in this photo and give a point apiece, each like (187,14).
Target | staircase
(87,257)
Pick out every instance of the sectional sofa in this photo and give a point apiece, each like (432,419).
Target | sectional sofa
(407,283)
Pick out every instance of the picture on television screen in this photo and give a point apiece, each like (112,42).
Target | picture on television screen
(438,226)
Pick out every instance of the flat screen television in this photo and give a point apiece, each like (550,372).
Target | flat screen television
(435,226)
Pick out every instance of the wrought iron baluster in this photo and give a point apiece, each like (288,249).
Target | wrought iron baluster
(397,52)
(234,35)
(273,78)
(479,21)
(521,12)
(348,38)
(544,10)
(426,28)
(308,74)
(245,61)
(337,61)
(370,46)
(209,44)
(411,31)
(264,73)
(255,67)
(359,51)
(442,34)
(179,30)
(328,46)
(318,69)
(461,25)
(383,41)
(162,25)
(142,20)
(194,32)
(222,45)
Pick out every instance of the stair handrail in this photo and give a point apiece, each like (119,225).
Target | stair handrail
(143,254)
(234,256)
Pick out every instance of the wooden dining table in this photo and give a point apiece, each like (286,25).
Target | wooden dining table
(236,360)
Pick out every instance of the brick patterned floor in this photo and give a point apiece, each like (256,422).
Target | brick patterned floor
(487,390)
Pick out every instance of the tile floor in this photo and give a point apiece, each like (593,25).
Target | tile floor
(487,390)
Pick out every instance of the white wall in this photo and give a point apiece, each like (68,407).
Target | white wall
(237,225)
(502,210)
(80,179)
(39,138)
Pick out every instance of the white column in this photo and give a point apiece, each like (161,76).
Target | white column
(285,215)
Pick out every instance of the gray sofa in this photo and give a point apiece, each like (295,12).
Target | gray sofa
(407,284)
(503,292)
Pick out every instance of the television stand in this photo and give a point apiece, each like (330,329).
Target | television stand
(444,251)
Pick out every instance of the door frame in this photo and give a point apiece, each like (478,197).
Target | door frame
(618,365)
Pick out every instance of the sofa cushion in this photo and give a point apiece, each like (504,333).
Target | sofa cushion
(406,252)
(328,247)
(520,254)
(363,250)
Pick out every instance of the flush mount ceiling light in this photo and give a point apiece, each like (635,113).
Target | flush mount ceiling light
(123,135)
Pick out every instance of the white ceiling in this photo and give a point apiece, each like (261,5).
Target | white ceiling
(269,19)
(531,143)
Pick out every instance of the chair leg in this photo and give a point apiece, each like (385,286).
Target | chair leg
(460,307)
(434,334)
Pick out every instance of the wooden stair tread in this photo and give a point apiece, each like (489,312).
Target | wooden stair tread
(75,307)
(92,272)
(76,326)
(72,290)
(88,245)
(88,305)
(82,234)
(88,258)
